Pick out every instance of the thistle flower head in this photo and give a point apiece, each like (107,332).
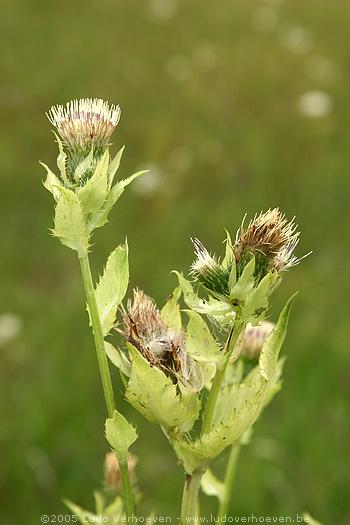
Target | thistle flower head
(160,345)
(85,126)
(208,271)
(85,123)
(271,238)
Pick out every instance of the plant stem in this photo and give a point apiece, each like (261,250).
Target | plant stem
(193,482)
(126,486)
(104,370)
(98,334)
(228,482)
(216,385)
(189,508)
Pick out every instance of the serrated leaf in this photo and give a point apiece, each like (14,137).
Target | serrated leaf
(212,486)
(229,255)
(245,283)
(61,159)
(118,358)
(114,166)
(111,289)
(200,344)
(245,409)
(70,225)
(273,343)
(101,217)
(84,166)
(120,434)
(94,193)
(212,307)
(155,396)
(258,299)
(170,313)
(52,183)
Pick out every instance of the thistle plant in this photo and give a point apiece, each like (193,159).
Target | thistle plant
(203,373)
(84,192)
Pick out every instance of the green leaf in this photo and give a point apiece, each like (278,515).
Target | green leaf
(245,283)
(94,193)
(212,307)
(245,409)
(170,313)
(200,344)
(114,166)
(120,434)
(70,225)
(212,486)
(118,358)
(101,217)
(83,515)
(272,346)
(84,166)
(52,183)
(258,299)
(155,396)
(111,289)
(229,255)
(61,160)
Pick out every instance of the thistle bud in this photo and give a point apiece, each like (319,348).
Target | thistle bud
(208,271)
(111,470)
(253,339)
(85,127)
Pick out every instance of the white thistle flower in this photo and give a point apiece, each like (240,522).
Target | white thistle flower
(85,123)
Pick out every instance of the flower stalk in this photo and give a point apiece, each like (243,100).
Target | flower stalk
(229,479)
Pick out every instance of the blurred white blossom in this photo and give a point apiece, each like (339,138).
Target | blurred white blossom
(315,104)
(296,38)
(163,9)
(150,183)
(10,327)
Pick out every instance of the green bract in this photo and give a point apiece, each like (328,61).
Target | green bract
(82,205)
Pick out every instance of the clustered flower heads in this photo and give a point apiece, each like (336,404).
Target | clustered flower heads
(269,238)
(85,127)
(162,346)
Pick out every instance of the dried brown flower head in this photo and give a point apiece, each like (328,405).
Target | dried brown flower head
(271,238)
(162,346)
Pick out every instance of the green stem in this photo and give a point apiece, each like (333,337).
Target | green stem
(193,482)
(98,334)
(189,508)
(228,482)
(216,385)
(126,486)
(104,370)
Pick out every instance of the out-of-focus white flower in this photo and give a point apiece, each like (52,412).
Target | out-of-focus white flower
(297,38)
(315,104)
(10,327)
(150,184)
(163,9)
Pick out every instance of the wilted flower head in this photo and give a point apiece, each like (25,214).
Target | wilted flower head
(253,339)
(207,270)
(271,238)
(84,125)
(160,345)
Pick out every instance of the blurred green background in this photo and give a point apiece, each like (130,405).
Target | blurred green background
(235,107)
